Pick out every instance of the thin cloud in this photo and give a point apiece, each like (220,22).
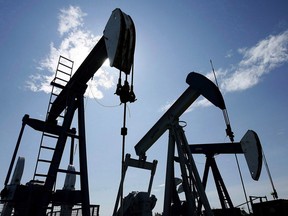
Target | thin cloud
(203,102)
(257,61)
(70,19)
(229,54)
(76,43)
(166,106)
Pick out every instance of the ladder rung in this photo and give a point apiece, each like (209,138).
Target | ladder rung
(43,160)
(66,59)
(57,85)
(50,135)
(64,72)
(54,94)
(47,147)
(40,175)
(63,80)
(66,65)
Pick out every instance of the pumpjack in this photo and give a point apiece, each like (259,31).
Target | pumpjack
(196,202)
(39,196)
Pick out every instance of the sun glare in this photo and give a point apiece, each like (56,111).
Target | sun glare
(106,63)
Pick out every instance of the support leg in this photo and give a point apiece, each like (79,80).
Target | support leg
(83,159)
(169,176)
(224,197)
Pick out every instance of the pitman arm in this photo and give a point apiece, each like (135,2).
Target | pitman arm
(198,85)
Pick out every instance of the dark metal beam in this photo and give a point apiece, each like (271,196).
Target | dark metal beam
(83,159)
(46,127)
(84,73)
(216,148)
(176,110)
(199,85)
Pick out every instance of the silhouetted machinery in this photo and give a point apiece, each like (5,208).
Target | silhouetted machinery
(191,184)
(39,197)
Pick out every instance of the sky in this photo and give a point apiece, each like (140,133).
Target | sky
(246,40)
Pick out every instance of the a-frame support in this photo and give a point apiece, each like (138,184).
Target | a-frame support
(191,182)
(225,200)
(76,102)
(39,196)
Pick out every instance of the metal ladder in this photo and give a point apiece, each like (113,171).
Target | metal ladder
(48,140)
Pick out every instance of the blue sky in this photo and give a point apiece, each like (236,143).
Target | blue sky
(247,41)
